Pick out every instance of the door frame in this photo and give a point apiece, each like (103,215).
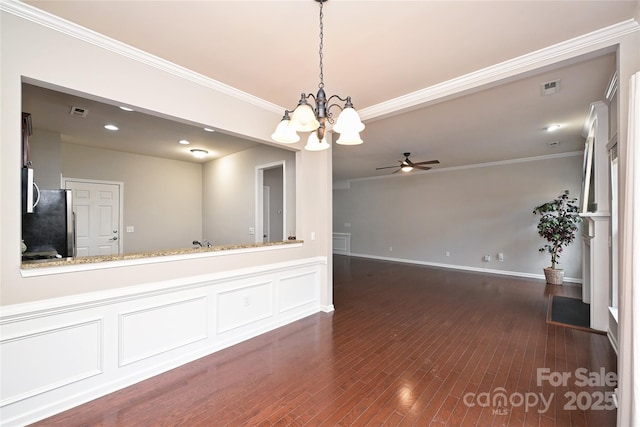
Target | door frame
(63,184)
(259,199)
(266,212)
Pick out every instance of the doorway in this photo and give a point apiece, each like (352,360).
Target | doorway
(270,202)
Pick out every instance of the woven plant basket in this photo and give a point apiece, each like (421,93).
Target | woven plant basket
(554,276)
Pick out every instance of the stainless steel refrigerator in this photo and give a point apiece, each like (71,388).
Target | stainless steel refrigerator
(48,232)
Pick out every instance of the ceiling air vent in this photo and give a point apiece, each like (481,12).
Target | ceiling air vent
(79,111)
(554,143)
(549,88)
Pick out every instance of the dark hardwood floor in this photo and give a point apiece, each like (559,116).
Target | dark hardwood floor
(407,345)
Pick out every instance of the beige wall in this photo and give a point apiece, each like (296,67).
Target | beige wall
(162,197)
(38,52)
(467,212)
(46,158)
(229,193)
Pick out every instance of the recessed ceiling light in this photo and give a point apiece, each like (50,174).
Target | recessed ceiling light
(198,153)
(552,128)
(209,130)
(111,127)
(184,142)
(122,107)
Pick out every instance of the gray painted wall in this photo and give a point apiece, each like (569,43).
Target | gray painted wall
(467,212)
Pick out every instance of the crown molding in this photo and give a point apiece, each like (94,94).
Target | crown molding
(595,40)
(71,29)
(345,184)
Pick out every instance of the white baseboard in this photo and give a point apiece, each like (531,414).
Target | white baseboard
(327,308)
(464,268)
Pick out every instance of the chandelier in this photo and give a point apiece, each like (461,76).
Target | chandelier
(306,118)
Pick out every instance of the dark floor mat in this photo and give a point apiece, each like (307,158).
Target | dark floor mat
(570,311)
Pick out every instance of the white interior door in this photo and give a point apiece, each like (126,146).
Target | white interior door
(96,207)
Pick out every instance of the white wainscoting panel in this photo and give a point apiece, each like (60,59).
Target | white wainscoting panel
(245,305)
(49,359)
(342,243)
(154,330)
(60,353)
(298,291)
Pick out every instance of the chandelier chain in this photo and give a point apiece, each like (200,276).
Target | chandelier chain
(321,84)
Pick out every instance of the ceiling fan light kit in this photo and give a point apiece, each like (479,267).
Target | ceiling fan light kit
(306,118)
(407,165)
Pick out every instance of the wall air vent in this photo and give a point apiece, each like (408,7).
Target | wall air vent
(79,111)
(549,88)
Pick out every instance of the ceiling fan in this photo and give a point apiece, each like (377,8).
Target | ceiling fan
(407,165)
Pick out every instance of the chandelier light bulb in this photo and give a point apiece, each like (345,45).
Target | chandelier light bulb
(285,133)
(314,144)
(349,138)
(348,121)
(304,119)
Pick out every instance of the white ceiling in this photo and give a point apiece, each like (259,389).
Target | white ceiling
(138,133)
(376,51)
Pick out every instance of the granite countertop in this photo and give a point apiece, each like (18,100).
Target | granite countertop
(105,258)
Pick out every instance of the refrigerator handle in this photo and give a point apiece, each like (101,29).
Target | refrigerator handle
(73,237)
(35,186)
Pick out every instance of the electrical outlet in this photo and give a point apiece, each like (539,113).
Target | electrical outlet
(447,253)
(501,257)
(487,258)
(390,248)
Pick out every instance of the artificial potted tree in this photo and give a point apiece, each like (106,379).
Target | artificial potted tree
(558,225)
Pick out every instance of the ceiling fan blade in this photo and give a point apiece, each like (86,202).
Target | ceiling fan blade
(396,171)
(424,168)
(428,162)
(388,167)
